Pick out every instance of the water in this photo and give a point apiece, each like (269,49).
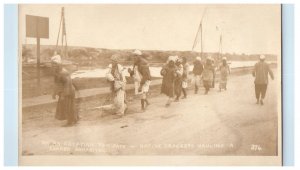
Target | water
(155,71)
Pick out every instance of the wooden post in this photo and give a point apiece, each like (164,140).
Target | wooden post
(37,27)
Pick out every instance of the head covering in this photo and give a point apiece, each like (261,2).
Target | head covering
(137,52)
(184,59)
(209,58)
(224,58)
(262,57)
(115,57)
(172,58)
(56,59)
(179,59)
(198,58)
(176,57)
(110,77)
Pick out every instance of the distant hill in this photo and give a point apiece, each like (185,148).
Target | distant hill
(85,56)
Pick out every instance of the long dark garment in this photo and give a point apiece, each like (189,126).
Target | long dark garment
(197,70)
(66,109)
(208,75)
(207,84)
(169,73)
(260,91)
(178,87)
(66,106)
(144,70)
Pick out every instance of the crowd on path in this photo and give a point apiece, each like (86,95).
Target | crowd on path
(175,73)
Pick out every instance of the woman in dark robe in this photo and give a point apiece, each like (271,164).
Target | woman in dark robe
(65,90)
(169,74)
(208,74)
(197,71)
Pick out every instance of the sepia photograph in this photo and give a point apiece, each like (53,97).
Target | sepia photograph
(150,84)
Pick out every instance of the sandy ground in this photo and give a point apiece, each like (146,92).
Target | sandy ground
(220,123)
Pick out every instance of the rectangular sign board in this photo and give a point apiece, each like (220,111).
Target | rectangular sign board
(37,26)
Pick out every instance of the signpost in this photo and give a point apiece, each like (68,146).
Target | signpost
(37,27)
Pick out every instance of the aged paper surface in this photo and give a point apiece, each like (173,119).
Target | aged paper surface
(171,114)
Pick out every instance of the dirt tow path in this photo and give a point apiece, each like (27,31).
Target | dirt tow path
(220,123)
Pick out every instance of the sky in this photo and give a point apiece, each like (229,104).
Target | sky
(248,29)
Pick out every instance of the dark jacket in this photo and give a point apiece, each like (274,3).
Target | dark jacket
(198,67)
(144,70)
(63,83)
(260,72)
(185,71)
(208,72)
(169,75)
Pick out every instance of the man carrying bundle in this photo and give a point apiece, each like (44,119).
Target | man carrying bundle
(141,74)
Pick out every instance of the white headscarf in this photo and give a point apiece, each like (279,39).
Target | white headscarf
(198,58)
(115,57)
(56,59)
(137,52)
(209,58)
(172,58)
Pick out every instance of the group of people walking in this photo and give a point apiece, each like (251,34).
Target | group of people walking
(175,73)
(140,72)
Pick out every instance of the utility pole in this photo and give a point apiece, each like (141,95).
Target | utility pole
(200,30)
(201,54)
(62,27)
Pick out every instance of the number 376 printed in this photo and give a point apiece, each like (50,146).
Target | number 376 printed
(256,147)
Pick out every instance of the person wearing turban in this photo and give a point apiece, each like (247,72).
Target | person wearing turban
(197,71)
(224,72)
(208,74)
(65,90)
(135,72)
(178,79)
(261,72)
(142,77)
(116,77)
(169,74)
